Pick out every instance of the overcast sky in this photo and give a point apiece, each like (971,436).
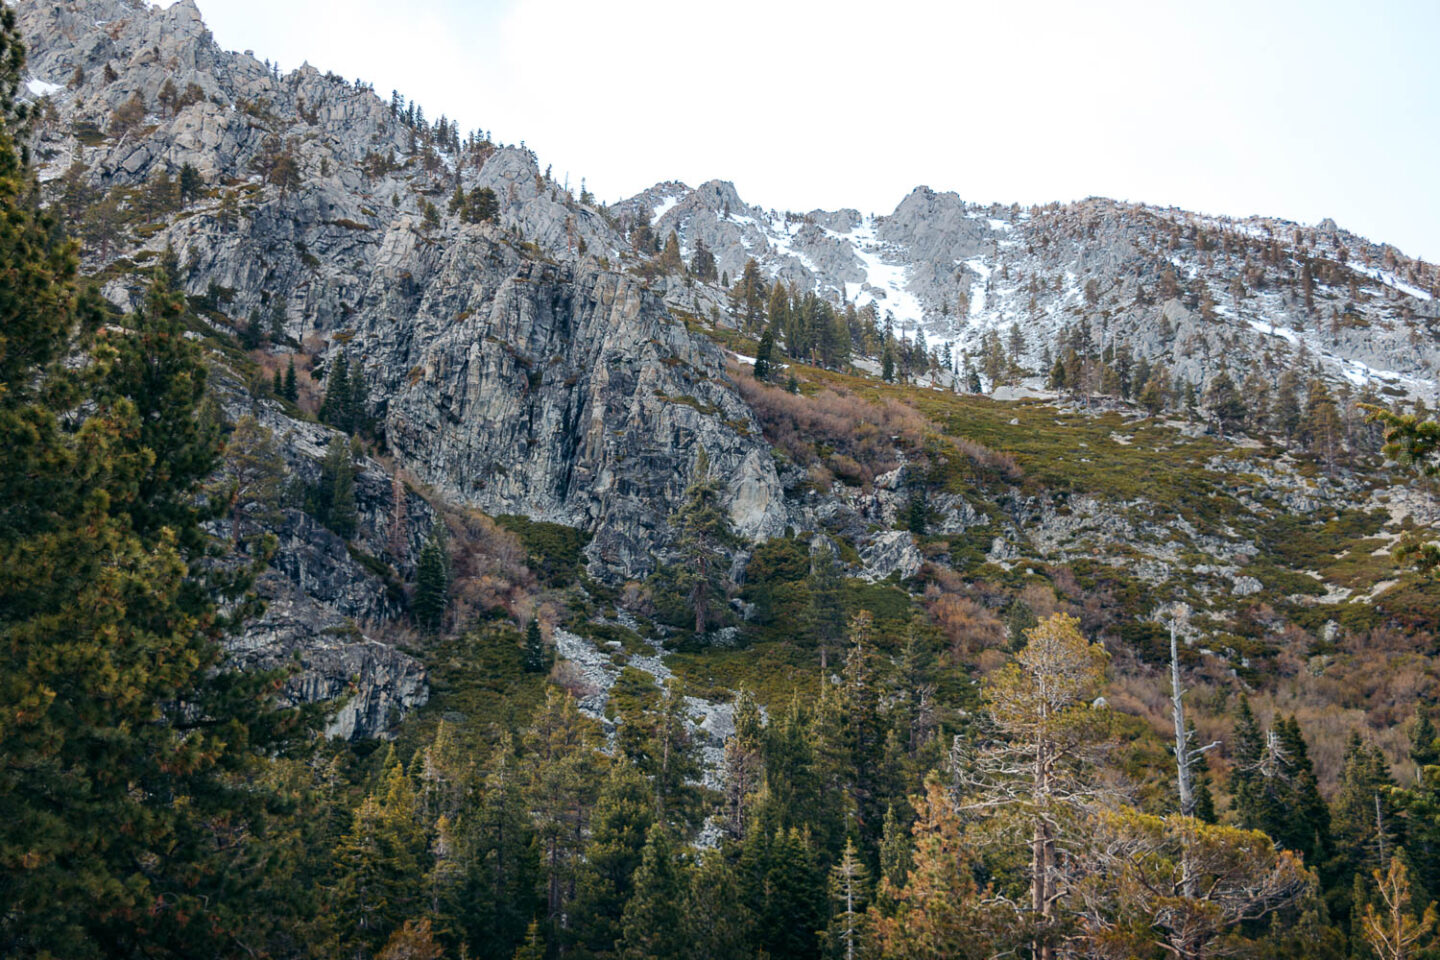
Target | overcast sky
(1302,110)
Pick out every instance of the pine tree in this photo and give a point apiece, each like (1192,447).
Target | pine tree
(1424,741)
(845,938)
(749,294)
(624,814)
(1366,825)
(337,392)
(1225,403)
(763,354)
(936,911)
(702,528)
(333,501)
(537,658)
(432,583)
(502,857)
(534,946)
(702,263)
(1392,931)
(107,620)
(917,513)
(253,463)
(652,927)
(715,920)
(290,390)
(1041,769)
(484,206)
(377,865)
(670,260)
(560,745)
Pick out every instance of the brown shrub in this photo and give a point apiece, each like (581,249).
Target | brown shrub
(860,438)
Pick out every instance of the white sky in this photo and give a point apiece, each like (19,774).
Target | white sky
(1300,110)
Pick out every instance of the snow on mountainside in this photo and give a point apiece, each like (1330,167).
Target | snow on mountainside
(1199,292)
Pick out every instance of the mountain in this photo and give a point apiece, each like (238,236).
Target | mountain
(519,351)
(677,577)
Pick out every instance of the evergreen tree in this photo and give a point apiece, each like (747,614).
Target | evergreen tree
(560,745)
(936,911)
(537,658)
(702,263)
(333,501)
(715,920)
(501,856)
(624,815)
(1424,741)
(887,365)
(256,471)
(252,333)
(703,528)
(846,936)
(916,513)
(377,866)
(670,260)
(1366,825)
(749,295)
(653,926)
(1225,403)
(827,602)
(534,946)
(484,206)
(763,354)
(432,583)
(110,792)
(290,390)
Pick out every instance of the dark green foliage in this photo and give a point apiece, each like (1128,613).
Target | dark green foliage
(624,814)
(775,581)
(110,793)
(191,183)
(1425,741)
(432,584)
(1225,403)
(289,390)
(537,657)
(332,500)
(916,513)
(344,404)
(702,263)
(763,354)
(556,552)
(703,529)
(653,925)
(482,207)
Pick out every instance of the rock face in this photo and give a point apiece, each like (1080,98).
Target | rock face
(504,378)
(570,395)
(506,365)
(322,601)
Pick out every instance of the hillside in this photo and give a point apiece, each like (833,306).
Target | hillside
(683,472)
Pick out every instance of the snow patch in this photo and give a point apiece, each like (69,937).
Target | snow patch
(664,207)
(40,88)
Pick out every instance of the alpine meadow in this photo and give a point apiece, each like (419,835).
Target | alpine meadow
(405,554)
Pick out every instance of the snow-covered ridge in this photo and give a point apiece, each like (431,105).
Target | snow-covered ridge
(961,273)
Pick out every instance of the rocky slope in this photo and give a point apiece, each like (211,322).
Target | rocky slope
(534,364)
